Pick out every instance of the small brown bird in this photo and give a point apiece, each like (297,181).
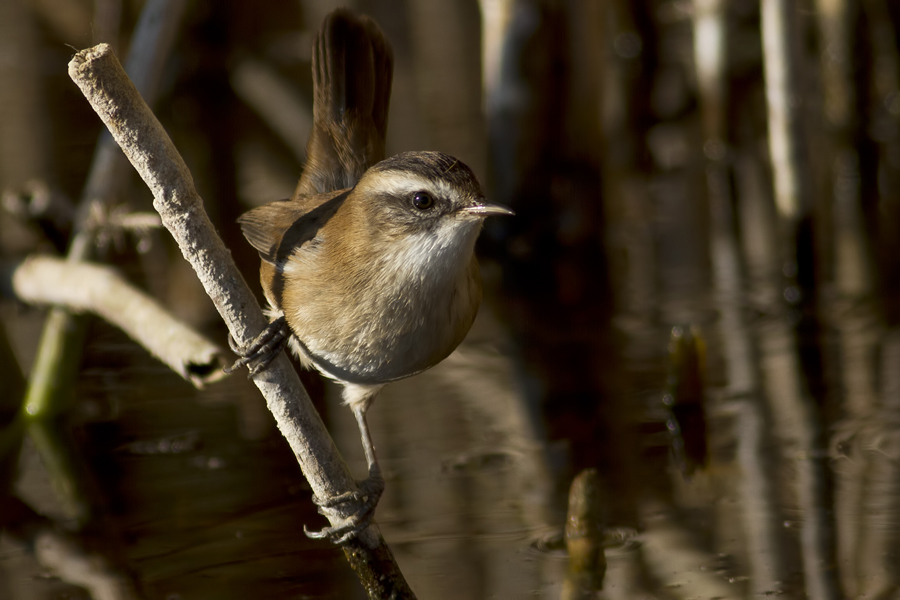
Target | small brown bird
(371,264)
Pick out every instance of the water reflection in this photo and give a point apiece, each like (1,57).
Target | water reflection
(190,506)
(655,211)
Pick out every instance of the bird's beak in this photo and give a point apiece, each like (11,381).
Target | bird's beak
(485,209)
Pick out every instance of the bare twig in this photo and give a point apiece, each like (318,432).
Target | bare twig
(99,289)
(35,200)
(100,77)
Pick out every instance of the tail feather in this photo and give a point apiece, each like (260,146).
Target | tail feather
(352,71)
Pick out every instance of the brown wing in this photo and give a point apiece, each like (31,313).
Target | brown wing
(279,228)
(264,226)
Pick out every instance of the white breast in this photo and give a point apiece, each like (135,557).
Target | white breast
(424,285)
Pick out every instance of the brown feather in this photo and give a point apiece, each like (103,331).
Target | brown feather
(400,299)
(352,73)
(275,228)
(372,289)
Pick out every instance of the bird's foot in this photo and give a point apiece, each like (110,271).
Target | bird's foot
(362,502)
(260,352)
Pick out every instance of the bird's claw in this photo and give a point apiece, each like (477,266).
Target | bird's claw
(365,500)
(259,353)
(345,531)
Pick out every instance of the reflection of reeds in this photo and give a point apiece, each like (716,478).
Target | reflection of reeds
(767,568)
(677,559)
(863,485)
(760,515)
(60,348)
(878,454)
(866,453)
(699,194)
(69,557)
(796,420)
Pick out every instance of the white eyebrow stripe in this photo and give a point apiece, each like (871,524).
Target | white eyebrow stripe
(399,184)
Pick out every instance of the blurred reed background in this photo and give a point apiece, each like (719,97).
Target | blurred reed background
(697,299)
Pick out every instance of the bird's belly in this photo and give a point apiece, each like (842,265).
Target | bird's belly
(371,354)
(392,337)
(369,368)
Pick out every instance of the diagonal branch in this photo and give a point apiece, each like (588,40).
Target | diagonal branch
(100,76)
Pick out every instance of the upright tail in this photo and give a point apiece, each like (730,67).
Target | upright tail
(352,69)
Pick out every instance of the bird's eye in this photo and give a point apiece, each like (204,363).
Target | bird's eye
(423,200)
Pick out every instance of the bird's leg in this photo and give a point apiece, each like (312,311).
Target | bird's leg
(373,485)
(370,489)
(260,352)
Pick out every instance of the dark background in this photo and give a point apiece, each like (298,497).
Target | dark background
(754,449)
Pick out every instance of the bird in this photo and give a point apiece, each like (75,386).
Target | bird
(369,268)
